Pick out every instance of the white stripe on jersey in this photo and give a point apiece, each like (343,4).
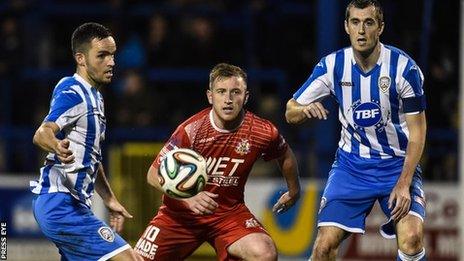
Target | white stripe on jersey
(85,107)
(370,104)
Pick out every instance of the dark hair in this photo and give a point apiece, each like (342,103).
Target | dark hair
(85,33)
(224,70)
(361,4)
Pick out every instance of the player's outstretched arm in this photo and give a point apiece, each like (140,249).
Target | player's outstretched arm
(289,168)
(117,211)
(400,199)
(297,113)
(45,138)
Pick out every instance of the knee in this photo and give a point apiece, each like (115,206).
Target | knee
(411,243)
(324,250)
(265,251)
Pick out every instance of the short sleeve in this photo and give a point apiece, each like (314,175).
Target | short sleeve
(412,92)
(316,87)
(65,108)
(277,146)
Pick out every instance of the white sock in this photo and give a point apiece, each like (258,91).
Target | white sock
(416,257)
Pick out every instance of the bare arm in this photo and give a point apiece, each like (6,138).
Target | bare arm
(117,211)
(45,138)
(201,204)
(296,113)
(289,168)
(400,197)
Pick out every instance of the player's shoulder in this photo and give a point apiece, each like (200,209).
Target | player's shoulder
(67,86)
(201,115)
(195,120)
(258,124)
(328,61)
(397,51)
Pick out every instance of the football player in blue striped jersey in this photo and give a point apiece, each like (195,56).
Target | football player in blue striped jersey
(382,112)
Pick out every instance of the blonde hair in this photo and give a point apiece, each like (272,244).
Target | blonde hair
(224,70)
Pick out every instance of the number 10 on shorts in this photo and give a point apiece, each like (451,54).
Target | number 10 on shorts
(146,246)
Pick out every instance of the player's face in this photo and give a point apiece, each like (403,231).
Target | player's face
(364,29)
(99,61)
(228,96)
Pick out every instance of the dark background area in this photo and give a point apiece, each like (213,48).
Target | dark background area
(166,49)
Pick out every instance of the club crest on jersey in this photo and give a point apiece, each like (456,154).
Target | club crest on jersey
(367,114)
(322,204)
(106,233)
(384,83)
(243,147)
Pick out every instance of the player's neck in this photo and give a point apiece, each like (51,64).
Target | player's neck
(229,125)
(87,78)
(367,60)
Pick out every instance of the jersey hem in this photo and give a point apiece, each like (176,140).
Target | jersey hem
(335,224)
(114,252)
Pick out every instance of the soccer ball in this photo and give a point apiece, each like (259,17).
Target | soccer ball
(182,173)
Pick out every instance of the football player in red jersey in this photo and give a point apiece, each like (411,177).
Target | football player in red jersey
(231,139)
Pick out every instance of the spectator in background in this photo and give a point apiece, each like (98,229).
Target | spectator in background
(158,45)
(10,46)
(198,46)
(135,106)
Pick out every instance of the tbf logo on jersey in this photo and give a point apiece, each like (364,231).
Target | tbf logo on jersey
(367,114)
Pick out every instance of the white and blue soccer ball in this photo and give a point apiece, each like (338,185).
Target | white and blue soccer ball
(182,173)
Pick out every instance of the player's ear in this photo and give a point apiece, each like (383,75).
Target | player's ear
(80,59)
(209,95)
(247,94)
(346,27)
(382,26)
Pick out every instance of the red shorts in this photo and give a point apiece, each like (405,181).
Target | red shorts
(171,236)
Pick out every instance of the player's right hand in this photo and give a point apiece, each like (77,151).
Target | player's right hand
(202,203)
(315,110)
(62,151)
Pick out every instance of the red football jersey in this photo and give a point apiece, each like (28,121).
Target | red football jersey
(230,154)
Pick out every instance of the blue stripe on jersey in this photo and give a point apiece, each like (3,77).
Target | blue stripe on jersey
(46,179)
(80,183)
(412,75)
(355,98)
(339,68)
(375,95)
(319,70)
(63,99)
(394,102)
(89,143)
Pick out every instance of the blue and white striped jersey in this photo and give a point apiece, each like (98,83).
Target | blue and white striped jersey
(78,109)
(372,106)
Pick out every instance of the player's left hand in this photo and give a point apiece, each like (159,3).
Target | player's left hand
(400,201)
(285,202)
(117,214)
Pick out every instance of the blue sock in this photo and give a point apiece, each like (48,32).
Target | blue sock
(416,257)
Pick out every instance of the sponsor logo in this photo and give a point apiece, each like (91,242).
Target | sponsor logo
(367,114)
(346,84)
(384,83)
(243,147)
(204,140)
(106,233)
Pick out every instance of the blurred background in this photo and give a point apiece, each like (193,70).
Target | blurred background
(166,49)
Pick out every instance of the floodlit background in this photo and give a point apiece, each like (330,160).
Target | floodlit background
(165,51)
